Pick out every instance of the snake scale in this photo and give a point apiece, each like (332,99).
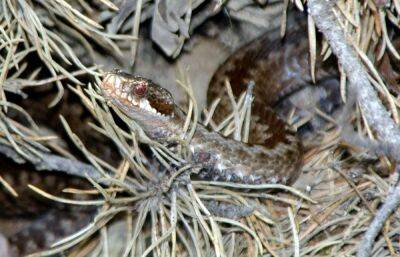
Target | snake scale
(274,153)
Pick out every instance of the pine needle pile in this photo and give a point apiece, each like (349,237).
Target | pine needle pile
(151,206)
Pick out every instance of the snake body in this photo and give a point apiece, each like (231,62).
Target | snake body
(277,67)
(274,152)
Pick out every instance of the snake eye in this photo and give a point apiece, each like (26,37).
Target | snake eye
(140,89)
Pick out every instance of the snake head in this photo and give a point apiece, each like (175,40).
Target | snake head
(137,95)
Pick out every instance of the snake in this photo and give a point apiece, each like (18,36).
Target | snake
(274,152)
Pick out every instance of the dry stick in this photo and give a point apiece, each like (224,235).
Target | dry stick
(375,113)
(52,162)
(56,163)
(392,202)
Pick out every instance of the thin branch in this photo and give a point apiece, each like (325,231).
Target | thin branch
(391,203)
(375,113)
(52,162)
(360,87)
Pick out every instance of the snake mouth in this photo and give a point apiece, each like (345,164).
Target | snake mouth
(135,94)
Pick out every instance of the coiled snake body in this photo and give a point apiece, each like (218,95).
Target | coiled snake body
(274,152)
